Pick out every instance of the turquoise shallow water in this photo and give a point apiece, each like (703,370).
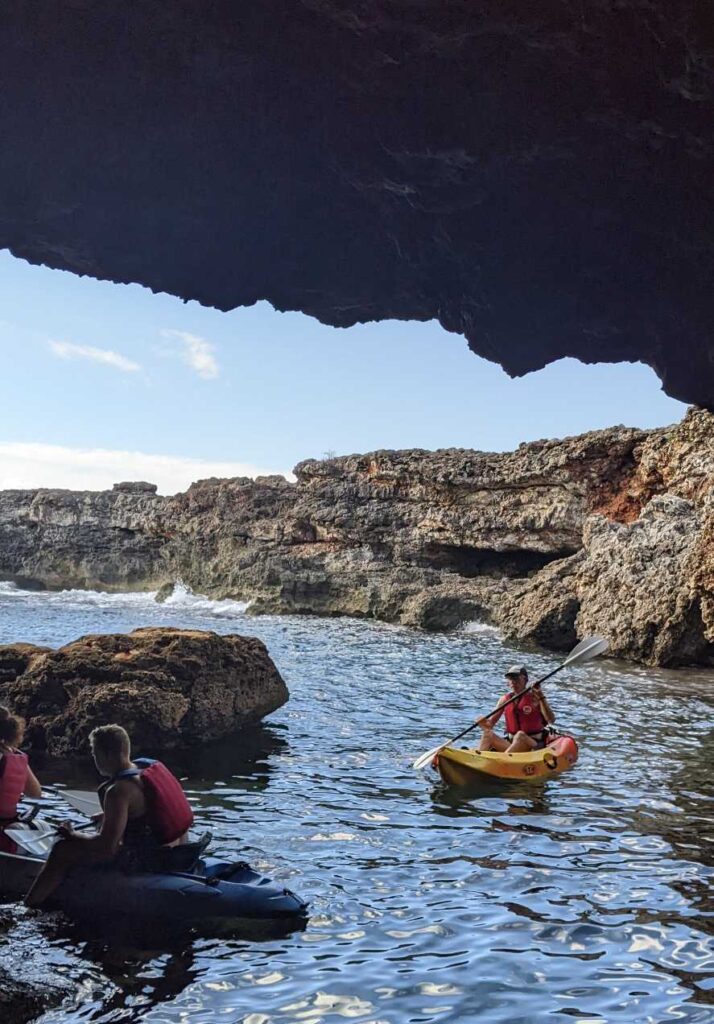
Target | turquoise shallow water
(587,898)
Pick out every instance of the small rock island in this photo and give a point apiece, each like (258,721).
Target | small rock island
(170,688)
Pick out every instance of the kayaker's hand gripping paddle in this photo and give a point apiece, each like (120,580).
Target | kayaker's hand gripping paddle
(586,650)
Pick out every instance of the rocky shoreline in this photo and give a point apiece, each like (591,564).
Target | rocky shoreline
(609,532)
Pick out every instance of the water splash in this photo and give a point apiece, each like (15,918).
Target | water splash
(182,597)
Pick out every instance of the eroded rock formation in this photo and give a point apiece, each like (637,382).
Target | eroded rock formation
(170,688)
(608,532)
(536,177)
(644,575)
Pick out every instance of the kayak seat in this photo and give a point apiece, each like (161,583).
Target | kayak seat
(185,858)
(182,859)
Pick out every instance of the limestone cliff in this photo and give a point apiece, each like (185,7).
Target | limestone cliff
(610,531)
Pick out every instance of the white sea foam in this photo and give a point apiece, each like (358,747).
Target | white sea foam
(181,598)
(480,628)
(76,598)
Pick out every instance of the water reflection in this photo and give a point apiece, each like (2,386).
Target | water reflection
(244,760)
(479,797)
(582,898)
(139,979)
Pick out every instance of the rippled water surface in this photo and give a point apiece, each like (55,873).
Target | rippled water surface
(583,899)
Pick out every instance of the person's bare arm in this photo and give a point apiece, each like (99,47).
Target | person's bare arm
(105,844)
(545,708)
(488,723)
(33,788)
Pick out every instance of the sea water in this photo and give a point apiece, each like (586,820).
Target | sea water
(585,898)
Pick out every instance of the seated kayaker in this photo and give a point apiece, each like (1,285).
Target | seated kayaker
(527,719)
(16,777)
(144,811)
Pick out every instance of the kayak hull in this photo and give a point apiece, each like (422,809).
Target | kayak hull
(460,767)
(216,893)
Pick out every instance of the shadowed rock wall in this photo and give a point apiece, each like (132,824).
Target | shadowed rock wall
(536,177)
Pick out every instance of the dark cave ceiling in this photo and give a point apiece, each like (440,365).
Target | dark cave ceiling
(538,177)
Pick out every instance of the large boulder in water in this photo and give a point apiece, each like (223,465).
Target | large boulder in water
(169,688)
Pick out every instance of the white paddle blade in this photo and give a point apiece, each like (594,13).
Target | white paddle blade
(82,800)
(424,759)
(37,844)
(587,649)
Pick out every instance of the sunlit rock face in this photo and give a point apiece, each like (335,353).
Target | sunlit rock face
(610,532)
(170,688)
(536,176)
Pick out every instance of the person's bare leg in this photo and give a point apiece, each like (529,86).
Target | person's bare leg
(490,741)
(521,744)
(65,854)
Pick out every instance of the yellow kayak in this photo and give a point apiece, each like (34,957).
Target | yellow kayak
(459,767)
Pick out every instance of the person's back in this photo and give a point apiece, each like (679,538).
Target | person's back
(158,813)
(143,807)
(16,777)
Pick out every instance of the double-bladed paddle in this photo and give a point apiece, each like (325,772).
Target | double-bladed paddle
(587,649)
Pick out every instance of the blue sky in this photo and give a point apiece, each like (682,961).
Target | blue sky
(98,377)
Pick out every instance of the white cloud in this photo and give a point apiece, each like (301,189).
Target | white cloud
(96,469)
(66,350)
(196,352)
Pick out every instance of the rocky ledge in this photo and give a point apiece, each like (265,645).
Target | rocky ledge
(169,688)
(609,532)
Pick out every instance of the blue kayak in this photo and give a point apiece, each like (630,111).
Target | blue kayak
(215,894)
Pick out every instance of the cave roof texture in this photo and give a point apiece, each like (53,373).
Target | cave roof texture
(536,176)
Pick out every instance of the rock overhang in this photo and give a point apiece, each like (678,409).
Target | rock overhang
(537,178)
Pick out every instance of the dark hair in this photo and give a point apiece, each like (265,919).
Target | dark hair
(12,727)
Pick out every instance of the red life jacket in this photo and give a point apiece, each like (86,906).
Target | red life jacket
(168,812)
(524,715)
(13,777)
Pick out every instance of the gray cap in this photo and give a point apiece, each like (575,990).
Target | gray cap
(516,670)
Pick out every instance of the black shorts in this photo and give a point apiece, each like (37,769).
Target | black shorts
(541,738)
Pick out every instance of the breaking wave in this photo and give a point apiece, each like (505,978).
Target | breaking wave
(480,629)
(182,599)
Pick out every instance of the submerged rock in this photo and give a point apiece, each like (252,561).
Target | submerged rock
(164,592)
(33,973)
(169,688)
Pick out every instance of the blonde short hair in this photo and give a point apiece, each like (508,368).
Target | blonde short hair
(110,741)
